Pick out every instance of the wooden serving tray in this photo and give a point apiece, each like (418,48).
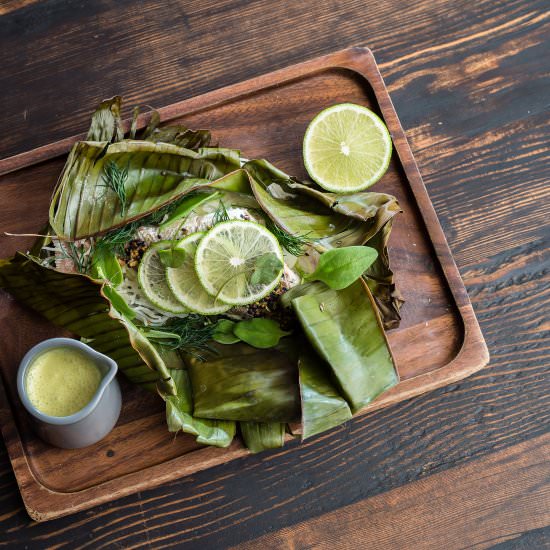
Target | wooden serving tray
(438,342)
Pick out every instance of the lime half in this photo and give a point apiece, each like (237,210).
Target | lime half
(185,284)
(347,148)
(152,280)
(229,259)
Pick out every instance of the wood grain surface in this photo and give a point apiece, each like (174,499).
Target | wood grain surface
(460,505)
(470,84)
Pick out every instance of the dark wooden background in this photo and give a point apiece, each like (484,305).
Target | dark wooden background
(463,467)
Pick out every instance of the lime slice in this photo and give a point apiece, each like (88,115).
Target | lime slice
(152,280)
(185,284)
(228,258)
(347,148)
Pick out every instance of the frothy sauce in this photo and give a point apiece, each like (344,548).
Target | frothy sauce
(61,381)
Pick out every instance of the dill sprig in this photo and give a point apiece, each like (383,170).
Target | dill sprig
(295,244)
(115,179)
(117,238)
(157,217)
(81,256)
(220,215)
(190,334)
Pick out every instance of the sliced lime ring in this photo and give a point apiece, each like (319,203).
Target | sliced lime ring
(185,284)
(227,258)
(152,280)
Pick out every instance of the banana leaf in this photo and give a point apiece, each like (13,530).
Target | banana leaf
(323,407)
(106,123)
(344,328)
(179,415)
(176,135)
(149,175)
(239,382)
(333,221)
(379,278)
(259,436)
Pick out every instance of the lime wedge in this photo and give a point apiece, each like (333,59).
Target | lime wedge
(184,282)
(347,148)
(152,280)
(238,261)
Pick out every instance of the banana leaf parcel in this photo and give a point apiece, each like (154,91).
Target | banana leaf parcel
(119,193)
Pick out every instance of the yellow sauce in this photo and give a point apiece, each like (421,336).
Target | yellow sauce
(61,381)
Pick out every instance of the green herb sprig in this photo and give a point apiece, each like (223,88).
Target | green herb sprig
(114,178)
(190,334)
(117,238)
(221,214)
(80,256)
(295,244)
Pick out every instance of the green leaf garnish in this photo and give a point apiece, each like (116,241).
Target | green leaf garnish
(105,266)
(259,332)
(223,333)
(266,268)
(340,267)
(172,257)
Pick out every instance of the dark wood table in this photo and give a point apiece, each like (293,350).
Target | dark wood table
(466,466)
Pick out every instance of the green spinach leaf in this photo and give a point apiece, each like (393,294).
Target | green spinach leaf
(105,266)
(259,332)
(223,333)
(338,268)
(172,257)
(267,267)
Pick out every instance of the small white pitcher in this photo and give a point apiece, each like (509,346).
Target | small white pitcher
(89,424)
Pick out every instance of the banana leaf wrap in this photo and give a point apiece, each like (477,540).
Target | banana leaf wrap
(344,328)
(259,436)
(262,389)
(239,382)
(106,124)
(333,221)
(323,407)
(154,175)
(179,415)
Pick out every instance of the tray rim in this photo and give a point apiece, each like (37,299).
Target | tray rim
(471,357)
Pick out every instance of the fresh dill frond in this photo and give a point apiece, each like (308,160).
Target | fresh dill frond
(158,216)
(81,256)
(190,334)
(117,238)
(115,179)
(220,215)
(295,244)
